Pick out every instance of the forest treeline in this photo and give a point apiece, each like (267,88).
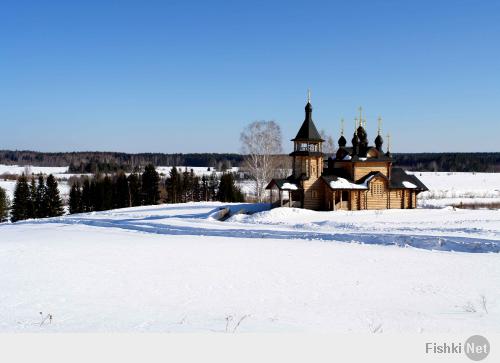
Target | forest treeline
(38,197)
(453,162)
(110,191)
(109,162)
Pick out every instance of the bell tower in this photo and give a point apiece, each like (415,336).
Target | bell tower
(307,148)
(308,157)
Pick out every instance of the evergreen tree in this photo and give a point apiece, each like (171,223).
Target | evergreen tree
(87,205)
(21,203)
(97,193)
(32,210)
(107,193)
(186,185)
(228,191)
(150,184)
(75,199)
(204,192)
(41,198)
(172,184)
(4,205)
(196,196)
(134,184)
(122,192)
(213,185)
(54,202)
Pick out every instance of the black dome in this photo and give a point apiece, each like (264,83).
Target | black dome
(354,139)
(362,134)
(342,141)
(378,142)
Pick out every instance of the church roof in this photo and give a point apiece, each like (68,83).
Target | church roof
(283,184)
(308,131)
(337,182)
(401,180)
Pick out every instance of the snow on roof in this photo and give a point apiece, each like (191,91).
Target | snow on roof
(407,184)
(342,183)
(289,186)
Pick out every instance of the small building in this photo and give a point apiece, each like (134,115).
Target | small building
(355,178)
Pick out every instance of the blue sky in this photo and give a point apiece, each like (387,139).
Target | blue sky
(187,76)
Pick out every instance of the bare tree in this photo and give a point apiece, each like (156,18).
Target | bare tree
(328,144)
(261,143)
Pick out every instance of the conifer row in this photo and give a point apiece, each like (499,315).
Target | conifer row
(106,192)
(36,199)
(39,197)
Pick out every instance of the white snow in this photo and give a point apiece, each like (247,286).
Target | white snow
(197,170)
(9,186)
(458,188)
(289,186)
(342,183)
(407,184)
(18,169)
(172,268)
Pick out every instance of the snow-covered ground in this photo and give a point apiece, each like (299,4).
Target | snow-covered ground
(198,170)
(18,169)
(454,188)
(174,268)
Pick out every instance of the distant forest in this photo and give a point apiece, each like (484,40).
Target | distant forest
(106,162)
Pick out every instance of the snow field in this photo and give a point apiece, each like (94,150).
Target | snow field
(172,268)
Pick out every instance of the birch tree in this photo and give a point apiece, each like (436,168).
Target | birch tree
(261,143)
(328,144)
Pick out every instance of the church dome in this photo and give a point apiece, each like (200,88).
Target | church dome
(354,139)
(378,142)
(362,134)
(342,141)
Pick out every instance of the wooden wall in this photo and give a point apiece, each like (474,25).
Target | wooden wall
(395,201)
(318,196)
(309,165)
(314,194)
(363,168)
(377,196)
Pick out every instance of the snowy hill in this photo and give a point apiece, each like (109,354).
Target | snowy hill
(175,268)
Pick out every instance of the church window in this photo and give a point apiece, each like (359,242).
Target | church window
(377,189)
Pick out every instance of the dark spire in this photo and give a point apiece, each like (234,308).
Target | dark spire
(355,144)
(379,140)
(308,131)
(388,153)
(342,140)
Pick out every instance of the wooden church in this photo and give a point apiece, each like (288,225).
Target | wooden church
(355,178)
